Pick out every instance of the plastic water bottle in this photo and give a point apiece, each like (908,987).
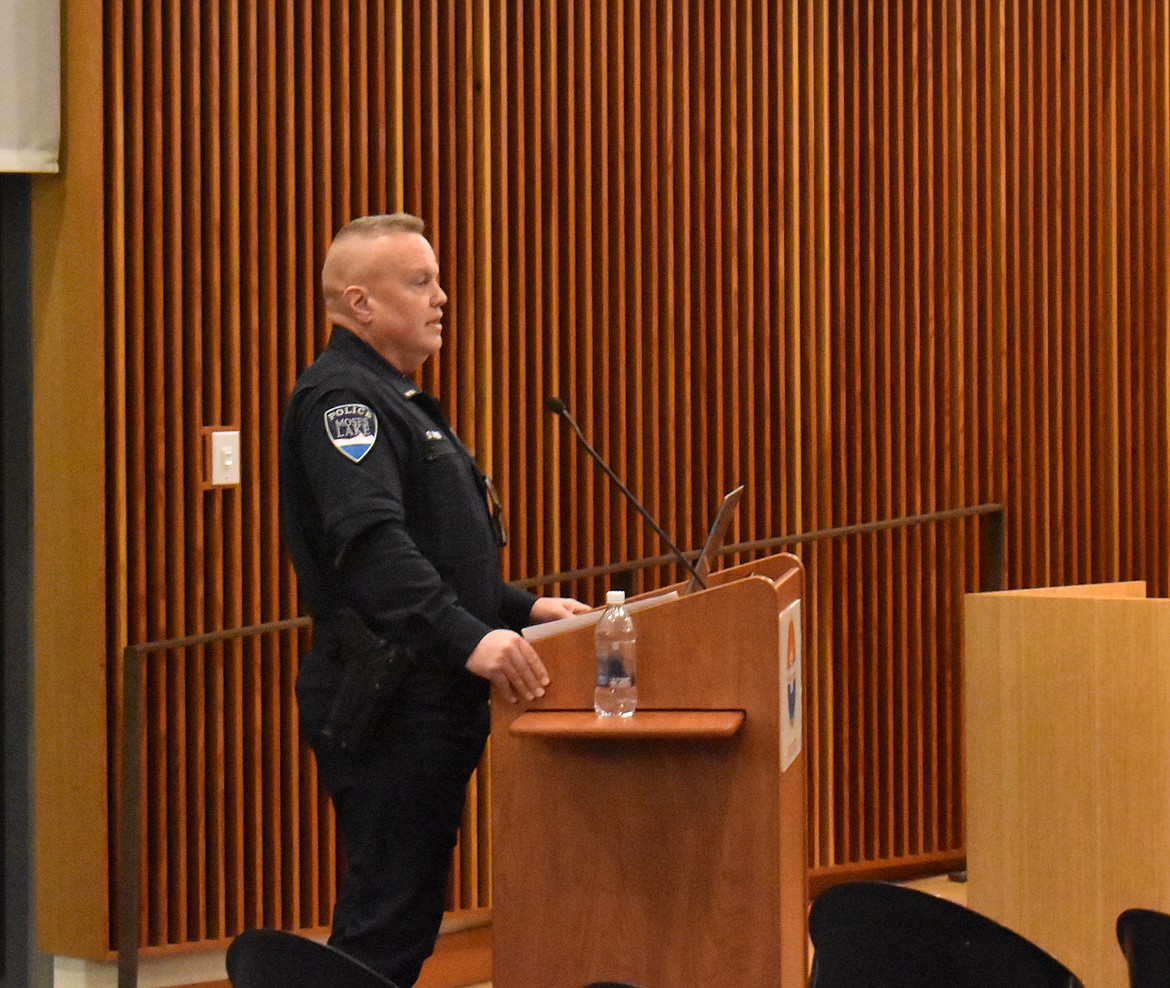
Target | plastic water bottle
(616,694)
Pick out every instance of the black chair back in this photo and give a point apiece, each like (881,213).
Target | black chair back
(278,959)
(880,935)
(1144,938)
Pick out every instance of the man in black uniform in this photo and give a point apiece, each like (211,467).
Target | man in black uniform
(388,522)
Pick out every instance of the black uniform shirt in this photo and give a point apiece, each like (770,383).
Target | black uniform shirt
(385,510)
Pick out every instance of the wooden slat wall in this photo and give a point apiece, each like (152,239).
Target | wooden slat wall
(870,258)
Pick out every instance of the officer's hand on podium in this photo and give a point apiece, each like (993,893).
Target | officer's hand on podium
(509,662)
(555,608)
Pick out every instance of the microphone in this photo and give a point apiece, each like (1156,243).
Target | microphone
(558,407)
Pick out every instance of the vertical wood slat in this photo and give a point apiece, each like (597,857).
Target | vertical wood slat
(283,369)
(826,691)
(191,891)
(175,445)
(298,293)
(257,852)
(154,896)
(212,240)
(280,738)
(918,615)
(119,100)
(851,254)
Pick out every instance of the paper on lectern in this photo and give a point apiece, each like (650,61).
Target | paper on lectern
(535,632)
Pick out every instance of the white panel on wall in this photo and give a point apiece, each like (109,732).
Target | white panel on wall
(30,85)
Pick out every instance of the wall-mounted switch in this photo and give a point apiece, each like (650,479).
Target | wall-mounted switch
(225,458)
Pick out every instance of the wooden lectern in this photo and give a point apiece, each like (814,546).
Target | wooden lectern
(1068,766)
(666,849)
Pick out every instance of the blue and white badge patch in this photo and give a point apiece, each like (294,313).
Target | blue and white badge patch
(353,430)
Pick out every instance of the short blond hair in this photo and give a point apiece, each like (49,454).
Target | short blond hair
(340,259)
(381,223)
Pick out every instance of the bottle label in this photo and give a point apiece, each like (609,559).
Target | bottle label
(612,672)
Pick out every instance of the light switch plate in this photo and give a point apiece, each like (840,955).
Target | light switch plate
(225,458)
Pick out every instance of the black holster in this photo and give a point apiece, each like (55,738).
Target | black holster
(373,670)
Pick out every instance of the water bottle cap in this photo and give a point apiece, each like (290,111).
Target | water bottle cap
(615,597)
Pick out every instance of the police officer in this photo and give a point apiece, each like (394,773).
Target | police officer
(388,523)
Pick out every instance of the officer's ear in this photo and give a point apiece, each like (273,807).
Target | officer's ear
(357,301)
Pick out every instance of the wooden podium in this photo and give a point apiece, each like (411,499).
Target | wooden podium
(1068,766)
(667,849)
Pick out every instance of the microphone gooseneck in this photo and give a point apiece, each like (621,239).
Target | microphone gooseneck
(558,407)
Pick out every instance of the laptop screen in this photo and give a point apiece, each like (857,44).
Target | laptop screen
(715,538)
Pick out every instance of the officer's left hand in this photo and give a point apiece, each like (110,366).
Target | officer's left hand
(555,608)
(508,661)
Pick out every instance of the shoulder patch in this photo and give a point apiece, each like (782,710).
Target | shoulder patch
(353,430)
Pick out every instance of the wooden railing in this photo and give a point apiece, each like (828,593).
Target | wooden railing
(992,547)
(885,711)
(133,747)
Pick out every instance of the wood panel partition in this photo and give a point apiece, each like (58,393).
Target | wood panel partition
(870,259)
(1069,802)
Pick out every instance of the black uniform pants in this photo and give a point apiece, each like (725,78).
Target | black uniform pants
(399,805)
